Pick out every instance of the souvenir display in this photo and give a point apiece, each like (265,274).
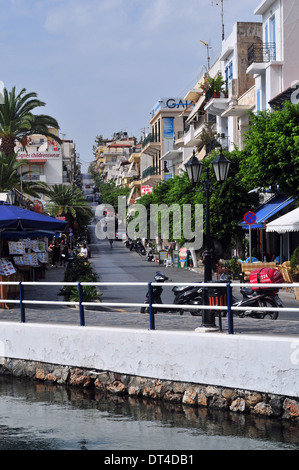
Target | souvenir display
(6,267)
(16,248)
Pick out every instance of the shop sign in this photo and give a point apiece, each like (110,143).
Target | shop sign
(38,156)
(146,189)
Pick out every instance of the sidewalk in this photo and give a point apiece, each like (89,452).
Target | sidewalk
(112,317)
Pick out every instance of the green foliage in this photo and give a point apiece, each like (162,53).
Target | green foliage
(294,262)
(271,153)
(18,121)
(10,176)
(80,271)
(229,202)
(70,202)
(109,192)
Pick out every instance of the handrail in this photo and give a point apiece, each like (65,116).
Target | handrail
(81,304)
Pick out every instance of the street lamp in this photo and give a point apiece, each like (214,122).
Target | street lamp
(194,168)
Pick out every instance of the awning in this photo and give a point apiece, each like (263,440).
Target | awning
(286,223)
(197,106)
(278,100)
(268,210)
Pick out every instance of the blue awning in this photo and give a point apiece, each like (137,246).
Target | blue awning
(268,210)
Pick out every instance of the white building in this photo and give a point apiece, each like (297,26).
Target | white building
(274,63)
(231,111)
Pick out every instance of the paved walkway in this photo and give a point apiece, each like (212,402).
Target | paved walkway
(118,317)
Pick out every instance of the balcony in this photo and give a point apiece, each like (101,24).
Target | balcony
(189,138)
(261,53)
(151,176)
(150,138)
(260,56)
(151,144)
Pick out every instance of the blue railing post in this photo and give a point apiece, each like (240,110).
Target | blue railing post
(151,309)
(22,307)
(229,310)
(81,307)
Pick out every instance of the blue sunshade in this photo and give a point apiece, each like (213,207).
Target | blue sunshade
(266,211)
(16,218)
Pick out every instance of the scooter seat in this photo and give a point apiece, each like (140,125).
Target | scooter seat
(180,288)
(246,291)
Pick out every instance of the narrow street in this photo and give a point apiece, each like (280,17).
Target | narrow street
(121,265)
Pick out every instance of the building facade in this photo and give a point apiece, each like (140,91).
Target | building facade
(274,62)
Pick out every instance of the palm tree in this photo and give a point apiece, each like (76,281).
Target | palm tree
(10,177)
(17,121)
(69,202)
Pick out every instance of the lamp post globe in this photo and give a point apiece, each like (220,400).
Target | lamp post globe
(221,167)
(194,169)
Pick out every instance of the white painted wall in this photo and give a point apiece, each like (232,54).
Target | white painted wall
(257,363)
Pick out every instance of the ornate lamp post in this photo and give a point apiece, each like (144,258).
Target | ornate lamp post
(194,168)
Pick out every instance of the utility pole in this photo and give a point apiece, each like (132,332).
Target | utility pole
(220,2)
(208,55)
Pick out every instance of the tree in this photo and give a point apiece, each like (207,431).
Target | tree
(10,177)
(69,202)
(271,152)
(17,120)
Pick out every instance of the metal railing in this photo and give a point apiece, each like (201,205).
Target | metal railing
(151,170)
(261,53)
(229,307)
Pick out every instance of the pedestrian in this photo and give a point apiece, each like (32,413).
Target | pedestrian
(65,252)
(84,251)
(56,254)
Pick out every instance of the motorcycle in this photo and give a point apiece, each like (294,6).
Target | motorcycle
(263,297)
(150,254)
(192,295)
(140,248)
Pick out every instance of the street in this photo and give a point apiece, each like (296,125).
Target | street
(118,264)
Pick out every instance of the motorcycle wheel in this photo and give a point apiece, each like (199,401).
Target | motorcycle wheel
(268,315)
(146,309)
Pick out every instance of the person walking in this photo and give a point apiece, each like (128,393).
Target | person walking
(84,251)
(56,254)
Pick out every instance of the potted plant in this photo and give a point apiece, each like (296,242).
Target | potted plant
(217,85)
(294,265)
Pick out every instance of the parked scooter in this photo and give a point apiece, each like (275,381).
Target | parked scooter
(140,248)
(150,254)
(183,295)
(263,297)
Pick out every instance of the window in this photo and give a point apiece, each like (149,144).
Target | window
(258,100)
(226,77)
(230,70)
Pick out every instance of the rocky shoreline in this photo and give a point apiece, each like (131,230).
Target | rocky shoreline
(194,395)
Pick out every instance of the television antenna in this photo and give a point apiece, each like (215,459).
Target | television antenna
(220,2)
(208,47)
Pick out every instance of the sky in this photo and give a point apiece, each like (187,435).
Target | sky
(101,65)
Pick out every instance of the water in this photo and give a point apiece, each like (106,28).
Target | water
(38,416)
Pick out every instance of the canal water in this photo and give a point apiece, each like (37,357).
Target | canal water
(38,416)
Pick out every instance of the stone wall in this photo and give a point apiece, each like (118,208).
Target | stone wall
(187,393)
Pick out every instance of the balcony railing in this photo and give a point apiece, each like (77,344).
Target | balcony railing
(150,138)
(151,170)
(261,53)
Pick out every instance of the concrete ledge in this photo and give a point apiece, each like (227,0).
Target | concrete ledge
(265,364)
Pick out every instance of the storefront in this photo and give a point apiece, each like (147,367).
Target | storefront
(24,239)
